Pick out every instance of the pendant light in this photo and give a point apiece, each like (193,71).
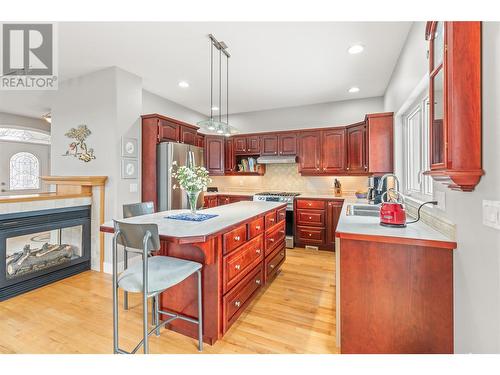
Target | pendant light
(218,125)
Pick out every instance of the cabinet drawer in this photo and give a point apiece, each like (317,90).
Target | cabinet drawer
(311,217)
(237,299)
(256,227)
(310,235)
(281,214)
(237,264)
(231,240)
(316,205)
(273,237)
(270,219)
(274,262)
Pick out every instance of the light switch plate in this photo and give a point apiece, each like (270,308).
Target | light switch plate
(491,214)
(133,188)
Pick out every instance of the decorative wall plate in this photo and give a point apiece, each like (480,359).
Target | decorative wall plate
(129,169)
(129,147)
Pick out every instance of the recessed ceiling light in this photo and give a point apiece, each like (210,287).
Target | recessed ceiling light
(356,48)
(183,84)
(214,108)
(354,89)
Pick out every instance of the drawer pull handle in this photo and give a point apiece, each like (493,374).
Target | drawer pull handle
(271,239)
(309,204)
(310,217)
(257,227)
(237,238)
(281,232)
(237,304)
(271,265)
(282,253)
(237,267)
(310,234)
(257,251)
(271,220)
(257,281)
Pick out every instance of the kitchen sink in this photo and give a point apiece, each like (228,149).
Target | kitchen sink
(363,210)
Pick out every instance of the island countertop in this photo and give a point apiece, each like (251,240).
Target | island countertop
(369,228)
(229,215)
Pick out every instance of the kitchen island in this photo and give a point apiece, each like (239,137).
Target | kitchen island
(241,250)
(394,287)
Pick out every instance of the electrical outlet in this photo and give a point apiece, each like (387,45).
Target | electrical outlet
(491,214)
(440,197)
(133,188)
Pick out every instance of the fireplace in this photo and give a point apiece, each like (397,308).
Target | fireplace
(40,247)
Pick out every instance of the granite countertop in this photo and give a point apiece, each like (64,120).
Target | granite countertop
(370,226)
(302,195)
(229,215)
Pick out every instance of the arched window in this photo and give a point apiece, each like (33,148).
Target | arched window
(24,171)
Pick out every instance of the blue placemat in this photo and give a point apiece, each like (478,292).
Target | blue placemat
(191,217)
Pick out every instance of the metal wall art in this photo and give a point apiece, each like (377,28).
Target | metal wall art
(78,148)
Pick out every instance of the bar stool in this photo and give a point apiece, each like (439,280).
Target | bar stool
(152,276)
(131,210)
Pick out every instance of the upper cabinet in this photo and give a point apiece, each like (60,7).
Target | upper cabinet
(214,155)
(284,144)
(309,152)
(229,157)
(455,103)
(247,145)
(333,155)
(356,149)
(380,149)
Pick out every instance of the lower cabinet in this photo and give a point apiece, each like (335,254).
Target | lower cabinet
(248,265)
(316,221)
(210,201)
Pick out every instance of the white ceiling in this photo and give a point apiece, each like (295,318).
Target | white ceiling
(273,65)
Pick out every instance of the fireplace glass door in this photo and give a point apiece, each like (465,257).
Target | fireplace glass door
(29,253)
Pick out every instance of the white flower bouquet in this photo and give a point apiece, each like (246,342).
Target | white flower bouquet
(192,179)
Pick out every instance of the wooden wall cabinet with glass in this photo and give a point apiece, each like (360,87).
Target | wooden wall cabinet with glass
(455,103)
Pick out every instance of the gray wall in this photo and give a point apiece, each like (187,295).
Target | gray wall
(477,259)
(309,116)
(11,120)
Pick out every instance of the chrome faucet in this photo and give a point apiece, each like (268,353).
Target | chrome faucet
(383,178)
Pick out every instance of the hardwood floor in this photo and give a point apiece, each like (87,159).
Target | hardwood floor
(294,314)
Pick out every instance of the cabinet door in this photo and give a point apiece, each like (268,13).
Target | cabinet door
(200,140)
(333,211)
(240,145)
(168,131)
(356,149)
(253,145)
(229,158)
(214,155)
(287,144)
(380,143)
(269,145)
(187,135)
(309,152)
(333,151)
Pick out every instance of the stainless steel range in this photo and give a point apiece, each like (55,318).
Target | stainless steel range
(283,197)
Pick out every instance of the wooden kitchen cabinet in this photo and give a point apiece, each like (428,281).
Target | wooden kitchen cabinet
(210,201)
(247,145)
(269,144)
(309,152)
(315,222)
(356,149)
(455,150)
(380,153)
(168,130)
(229,157)
(333,212)
(333,151)
(214,155)
(200,140)
(187,135)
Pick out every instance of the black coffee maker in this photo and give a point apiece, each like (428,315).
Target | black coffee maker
(375,196)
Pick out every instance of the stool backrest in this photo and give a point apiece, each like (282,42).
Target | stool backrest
(132,235)
(138,209)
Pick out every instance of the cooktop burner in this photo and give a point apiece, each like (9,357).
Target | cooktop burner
(279,194)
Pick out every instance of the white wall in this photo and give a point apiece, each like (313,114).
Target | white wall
(152,103)
(477,258)
(13,120)
(309,116)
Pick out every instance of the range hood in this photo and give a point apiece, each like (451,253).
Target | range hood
(277,160)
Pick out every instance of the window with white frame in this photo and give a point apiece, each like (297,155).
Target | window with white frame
(416,151)
(24,171)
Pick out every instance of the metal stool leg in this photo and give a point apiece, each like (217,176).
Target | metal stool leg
(200,314)
(145,302)
(153,312)
(156,309)
(115,296)
(125,266)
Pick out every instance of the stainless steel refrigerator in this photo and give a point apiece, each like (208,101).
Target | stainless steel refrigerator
(166,153)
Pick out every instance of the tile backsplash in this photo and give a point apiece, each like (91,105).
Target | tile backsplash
(285,177)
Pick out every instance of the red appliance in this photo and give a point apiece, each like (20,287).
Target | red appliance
(392,213)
